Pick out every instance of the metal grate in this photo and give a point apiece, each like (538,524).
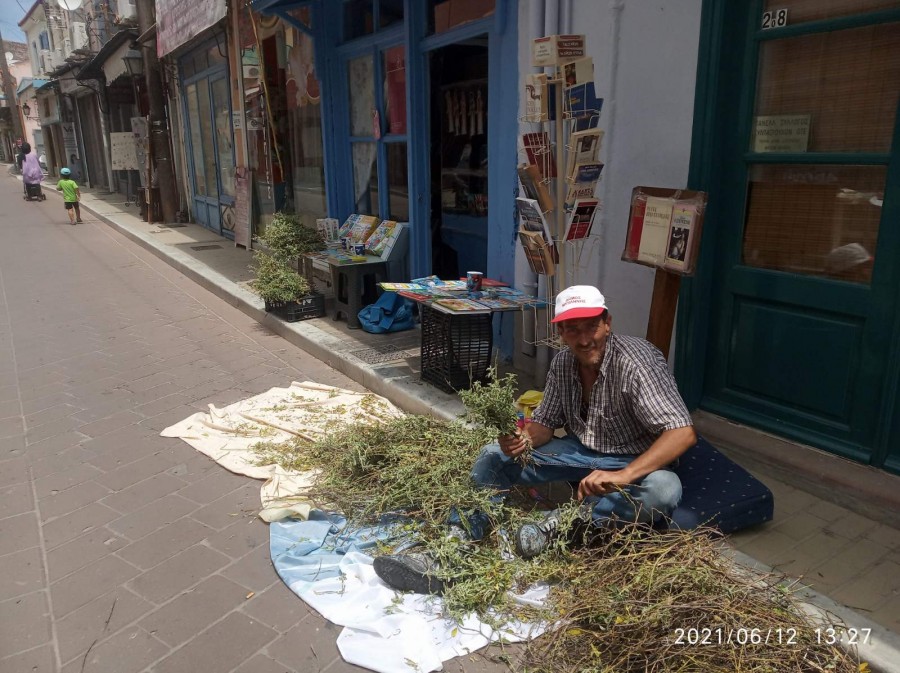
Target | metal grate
(378,354)
(173,226)
(206,247)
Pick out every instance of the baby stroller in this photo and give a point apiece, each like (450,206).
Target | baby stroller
(34,192)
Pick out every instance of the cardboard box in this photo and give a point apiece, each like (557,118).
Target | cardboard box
(452,13)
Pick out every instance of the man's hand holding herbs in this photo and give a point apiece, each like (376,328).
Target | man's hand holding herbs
(514,445)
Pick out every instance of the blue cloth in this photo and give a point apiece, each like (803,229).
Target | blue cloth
(305,551)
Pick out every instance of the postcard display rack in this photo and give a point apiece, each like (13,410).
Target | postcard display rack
(664,228)
(560,163)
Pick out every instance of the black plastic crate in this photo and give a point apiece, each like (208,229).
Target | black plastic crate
(311,306)
(456,349)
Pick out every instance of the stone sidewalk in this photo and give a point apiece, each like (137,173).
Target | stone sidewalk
(852,558)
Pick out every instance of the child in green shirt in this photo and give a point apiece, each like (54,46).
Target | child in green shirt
(71,195)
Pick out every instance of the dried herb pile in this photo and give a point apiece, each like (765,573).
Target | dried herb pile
(493,406)
(618,604)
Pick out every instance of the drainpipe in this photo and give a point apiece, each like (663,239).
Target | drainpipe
(527,278)
(107,148)
(609,108)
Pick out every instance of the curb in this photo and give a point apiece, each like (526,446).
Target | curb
(881,650)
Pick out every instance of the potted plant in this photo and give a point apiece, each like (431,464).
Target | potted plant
(286,292)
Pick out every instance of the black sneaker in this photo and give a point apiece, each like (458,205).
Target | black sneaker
(412,571)
(533,538)
(80,221)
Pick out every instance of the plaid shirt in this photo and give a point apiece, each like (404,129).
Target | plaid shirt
(633,401)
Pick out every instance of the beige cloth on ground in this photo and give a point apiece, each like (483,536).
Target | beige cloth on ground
(303,409)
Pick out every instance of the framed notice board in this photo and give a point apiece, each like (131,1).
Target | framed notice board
(664,227)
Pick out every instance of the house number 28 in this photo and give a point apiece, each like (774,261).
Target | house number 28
(777,18)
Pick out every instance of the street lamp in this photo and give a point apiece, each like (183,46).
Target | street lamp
(26,109)
(134,62)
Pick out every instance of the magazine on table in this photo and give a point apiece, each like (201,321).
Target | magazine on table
(394,287)
(500,303)
(459,305)
(363,228)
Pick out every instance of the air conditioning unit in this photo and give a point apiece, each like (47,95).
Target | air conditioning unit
(127,10)
(251,72)
(47,64)
(79,35)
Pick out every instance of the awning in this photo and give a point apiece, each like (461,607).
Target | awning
(94,69)
(273,6)
(28,82)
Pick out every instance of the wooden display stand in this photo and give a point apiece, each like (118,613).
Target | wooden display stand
(664,228)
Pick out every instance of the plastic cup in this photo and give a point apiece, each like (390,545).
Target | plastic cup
(473,280)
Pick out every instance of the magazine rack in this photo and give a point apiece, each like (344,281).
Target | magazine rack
(561,142)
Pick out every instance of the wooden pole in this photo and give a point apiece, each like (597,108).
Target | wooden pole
(662,310)
(158,126)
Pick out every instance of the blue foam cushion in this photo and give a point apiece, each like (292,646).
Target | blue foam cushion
(718,492)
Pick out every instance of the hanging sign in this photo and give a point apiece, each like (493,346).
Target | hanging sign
(122,150)
(178,21)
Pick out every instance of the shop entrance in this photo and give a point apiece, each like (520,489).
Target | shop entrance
(459,158)
(207,110)
(802,283)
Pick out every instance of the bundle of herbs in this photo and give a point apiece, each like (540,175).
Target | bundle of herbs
(493,406)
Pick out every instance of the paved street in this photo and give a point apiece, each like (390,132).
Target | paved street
(120,550)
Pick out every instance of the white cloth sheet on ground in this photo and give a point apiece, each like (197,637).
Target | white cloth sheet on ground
(383,631)
(302,409)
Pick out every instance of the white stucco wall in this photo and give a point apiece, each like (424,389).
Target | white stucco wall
(645,62)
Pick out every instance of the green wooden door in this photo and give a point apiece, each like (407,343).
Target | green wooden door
(800,280)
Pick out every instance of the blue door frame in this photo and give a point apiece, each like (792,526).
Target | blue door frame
(207,209)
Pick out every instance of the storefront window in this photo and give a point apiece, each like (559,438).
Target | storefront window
(391,12)
(828,92)
(397,182)
(223,135)
(814,220)
(284,118)
(206,137)
(196,146)
(394,68)
(801,11)
(362,96)
(359,16)
(365,178)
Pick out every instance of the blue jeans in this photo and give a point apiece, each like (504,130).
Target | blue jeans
(567,459)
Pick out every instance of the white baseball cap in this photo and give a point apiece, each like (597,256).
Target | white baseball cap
(579,301)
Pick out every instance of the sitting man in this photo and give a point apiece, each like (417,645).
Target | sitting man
(626,425)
